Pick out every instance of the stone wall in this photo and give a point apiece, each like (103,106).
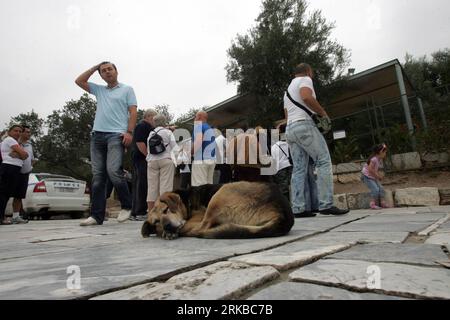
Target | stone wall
(348,172)
(411,197)
(351,172)
(431,160)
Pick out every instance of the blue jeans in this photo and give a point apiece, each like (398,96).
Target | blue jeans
(375,187)
(305,142)
(106,157)
(311,191)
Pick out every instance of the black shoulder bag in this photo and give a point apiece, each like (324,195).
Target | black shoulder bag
(288,156)
(322,123)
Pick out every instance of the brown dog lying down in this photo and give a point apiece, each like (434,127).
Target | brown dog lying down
(233,211)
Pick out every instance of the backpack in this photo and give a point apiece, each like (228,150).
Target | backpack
(156,143)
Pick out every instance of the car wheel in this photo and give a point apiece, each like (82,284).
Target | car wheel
(76,215)
(44,214)
(26,215)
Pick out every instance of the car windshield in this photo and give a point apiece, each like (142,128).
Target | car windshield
(41,177)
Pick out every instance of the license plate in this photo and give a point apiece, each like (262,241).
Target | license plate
(67,185)
(66,190)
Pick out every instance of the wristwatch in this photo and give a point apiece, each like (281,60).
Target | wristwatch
(130,132)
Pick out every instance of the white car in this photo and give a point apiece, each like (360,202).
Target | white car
(48,194)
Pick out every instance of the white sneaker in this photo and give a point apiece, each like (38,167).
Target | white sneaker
(124,215)
(19,220)
(89,222)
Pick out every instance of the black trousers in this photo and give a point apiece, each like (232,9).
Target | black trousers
(139,188)
(9,177)
(283,180)
(226,173)
(185,182)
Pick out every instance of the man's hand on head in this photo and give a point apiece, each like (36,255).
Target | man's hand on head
(97,67)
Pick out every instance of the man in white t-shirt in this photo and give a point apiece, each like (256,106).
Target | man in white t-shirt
(24,171)
(226,174)
(184,164)
(305,140)
(281,157)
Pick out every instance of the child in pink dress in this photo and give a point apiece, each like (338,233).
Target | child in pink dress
(371,177)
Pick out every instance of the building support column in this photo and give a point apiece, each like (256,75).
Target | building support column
(422,114)
(405,103)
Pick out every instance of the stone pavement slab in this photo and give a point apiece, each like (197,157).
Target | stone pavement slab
(36,256)
(282,260)
(440,209)
(444,227)
(224,280)
(396,279)
(361,237)
(393,223)
(26,250)
(398,211)
(442,238)
(323,223)
(225,247)
(417,254)
(305,291)
(104,268)
(434,226)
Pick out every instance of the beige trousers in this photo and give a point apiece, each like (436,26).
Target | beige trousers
(203,173)
(160,174)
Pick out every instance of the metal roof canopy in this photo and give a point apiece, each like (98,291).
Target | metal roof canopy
(231,113)
(373,87)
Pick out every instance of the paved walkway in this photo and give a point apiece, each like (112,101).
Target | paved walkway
(389,254)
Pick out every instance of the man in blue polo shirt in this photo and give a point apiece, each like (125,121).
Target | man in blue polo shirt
(114,123)
(204,151)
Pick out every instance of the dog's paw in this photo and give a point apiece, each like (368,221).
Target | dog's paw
(169,236)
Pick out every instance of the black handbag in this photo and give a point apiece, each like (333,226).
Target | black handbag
(322,123)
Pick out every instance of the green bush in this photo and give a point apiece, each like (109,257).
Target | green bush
(398,139)
(346,151)
(435,139)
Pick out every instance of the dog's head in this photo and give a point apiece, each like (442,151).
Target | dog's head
(166,218)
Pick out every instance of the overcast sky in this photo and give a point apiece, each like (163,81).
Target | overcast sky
(174,52)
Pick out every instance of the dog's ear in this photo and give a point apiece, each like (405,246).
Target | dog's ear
(172,200)
(148,229)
